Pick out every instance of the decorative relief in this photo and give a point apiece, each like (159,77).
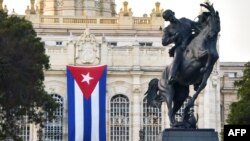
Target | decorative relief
(151,120)
(136,89)
(97,4)
(59,3)
(120,120)
(55,87)
(87,51)
(79,3)
(52,90)
(214,80)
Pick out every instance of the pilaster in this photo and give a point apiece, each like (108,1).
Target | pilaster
(71,53)
(136,119)
(136,57)
(212,103)
(104,51)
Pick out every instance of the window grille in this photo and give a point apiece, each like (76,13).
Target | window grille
(119,118)
(53,130)
(152,120)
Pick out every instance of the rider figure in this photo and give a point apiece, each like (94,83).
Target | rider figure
(178,32)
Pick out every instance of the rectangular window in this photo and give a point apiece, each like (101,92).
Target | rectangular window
(58,43)
(231,74)
(149,44)
(112,44)
(142,44)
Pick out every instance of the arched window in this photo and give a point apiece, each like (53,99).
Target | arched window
(53,130)
(152,119)
(119,118)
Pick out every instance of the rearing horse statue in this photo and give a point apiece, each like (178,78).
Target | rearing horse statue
(197,63)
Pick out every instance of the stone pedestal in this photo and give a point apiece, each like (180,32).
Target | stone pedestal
(188,135)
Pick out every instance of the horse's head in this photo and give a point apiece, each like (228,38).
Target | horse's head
(211,19)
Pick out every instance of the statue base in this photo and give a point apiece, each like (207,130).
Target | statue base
(188,135)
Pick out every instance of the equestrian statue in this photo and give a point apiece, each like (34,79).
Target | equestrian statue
(194,55)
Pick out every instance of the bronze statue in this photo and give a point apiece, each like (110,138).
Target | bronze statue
(194,57)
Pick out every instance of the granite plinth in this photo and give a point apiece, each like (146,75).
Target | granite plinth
(188,135)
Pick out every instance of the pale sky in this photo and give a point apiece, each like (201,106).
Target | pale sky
(235,20)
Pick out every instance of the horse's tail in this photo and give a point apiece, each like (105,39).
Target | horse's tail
(153,99)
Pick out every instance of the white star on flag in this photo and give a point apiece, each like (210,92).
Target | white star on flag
(86,78)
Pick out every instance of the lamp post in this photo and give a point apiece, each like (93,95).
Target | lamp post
(40,134)
(141,134)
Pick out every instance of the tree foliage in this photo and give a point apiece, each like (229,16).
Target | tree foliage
(22,62)
(240,110)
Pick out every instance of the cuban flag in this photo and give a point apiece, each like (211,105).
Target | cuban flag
(86,103)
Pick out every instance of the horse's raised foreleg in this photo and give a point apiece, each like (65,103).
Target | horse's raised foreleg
(204,81)
(212,58)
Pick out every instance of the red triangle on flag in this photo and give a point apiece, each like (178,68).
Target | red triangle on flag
(87,77)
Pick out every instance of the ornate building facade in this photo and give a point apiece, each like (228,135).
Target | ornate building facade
(89,32)
(229,73)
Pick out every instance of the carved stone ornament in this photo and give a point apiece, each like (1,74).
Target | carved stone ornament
(87,51)
(59,3)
